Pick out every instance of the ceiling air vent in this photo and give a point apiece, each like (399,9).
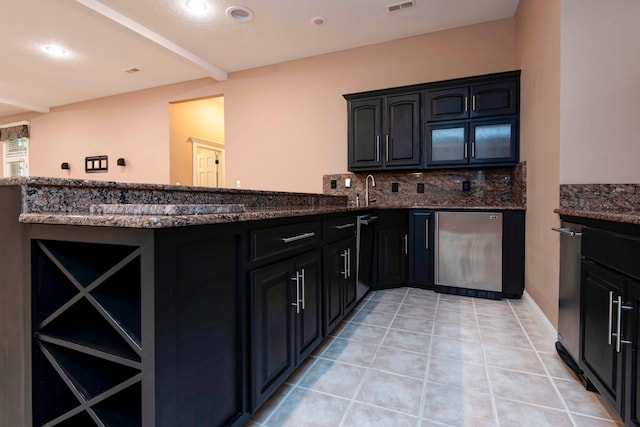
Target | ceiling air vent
(401,6)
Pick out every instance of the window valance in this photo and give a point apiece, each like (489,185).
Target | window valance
(13,132)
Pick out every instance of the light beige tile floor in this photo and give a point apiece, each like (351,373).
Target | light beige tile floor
(410,357)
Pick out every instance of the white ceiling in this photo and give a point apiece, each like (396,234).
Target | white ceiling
(168,45)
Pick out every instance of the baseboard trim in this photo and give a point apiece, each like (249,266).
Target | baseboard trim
(539,314)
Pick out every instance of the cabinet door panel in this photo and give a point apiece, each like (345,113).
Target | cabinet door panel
(493,141)
(364,133)
(402,140)
(272,328)
(309,319)
(494,99)
(333,264)
(448,104)
(392,248)
(597,357)
(350,285)
(632,371)
(421,255)
(447,144)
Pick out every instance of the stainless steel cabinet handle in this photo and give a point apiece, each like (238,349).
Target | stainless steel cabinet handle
(386,150)
(566,232)
(378,148)
(349,262)
(474,103)
(466,104)
(343,226)
(297,303)
(303,286)
(465,150)
(426,234)
(298,237)
(345,272)
(406,244)
(619,340)
(610,314)
(473,149)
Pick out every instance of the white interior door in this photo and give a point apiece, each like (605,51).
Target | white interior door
(208,164)
(208,175)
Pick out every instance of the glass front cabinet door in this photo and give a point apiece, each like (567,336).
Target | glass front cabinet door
(493,141)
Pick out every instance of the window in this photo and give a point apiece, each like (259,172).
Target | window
(16,156)
(15,149)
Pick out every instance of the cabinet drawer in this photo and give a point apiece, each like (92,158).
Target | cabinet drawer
(617,251)
(283,239)
(338,228)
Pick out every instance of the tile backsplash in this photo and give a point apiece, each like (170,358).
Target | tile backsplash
(494,187)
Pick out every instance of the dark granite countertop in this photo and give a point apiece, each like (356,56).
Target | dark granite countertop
(629,217)
(606,202)
(168,221)
(75,202)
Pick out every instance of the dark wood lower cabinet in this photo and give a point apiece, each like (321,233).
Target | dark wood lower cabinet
(600,287)
(421,248)
(632,371)
(610,318)
(138,327)
(339,268)
(285,320)
(393,248)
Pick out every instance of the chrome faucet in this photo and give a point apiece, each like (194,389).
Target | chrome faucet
(366,189)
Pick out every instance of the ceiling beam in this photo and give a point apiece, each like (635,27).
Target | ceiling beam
(24,106)
(213,70)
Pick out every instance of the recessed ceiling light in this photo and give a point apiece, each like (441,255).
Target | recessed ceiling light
(197,7)
(55,50)
(318,20)
(240,13)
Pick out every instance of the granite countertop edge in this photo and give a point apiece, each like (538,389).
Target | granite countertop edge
(169,221)
(630,217)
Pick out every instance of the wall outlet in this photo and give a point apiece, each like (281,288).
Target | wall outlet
(334,184)
(237,183)
(466,186)
(347,183)
(420,187)
(394,187)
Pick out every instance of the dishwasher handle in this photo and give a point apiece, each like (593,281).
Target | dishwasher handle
(567,232)
(369,220)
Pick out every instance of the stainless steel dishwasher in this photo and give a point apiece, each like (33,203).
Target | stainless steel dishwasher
(568,344)
(468,253)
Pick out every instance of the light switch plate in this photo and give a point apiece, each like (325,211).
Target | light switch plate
(347,183)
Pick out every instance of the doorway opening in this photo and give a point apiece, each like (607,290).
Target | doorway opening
(197,144)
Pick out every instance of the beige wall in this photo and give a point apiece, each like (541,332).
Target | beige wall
(203,118)
(285,125)
(538,47)
(600,91)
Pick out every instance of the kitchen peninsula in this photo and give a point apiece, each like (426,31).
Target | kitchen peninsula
(141,304)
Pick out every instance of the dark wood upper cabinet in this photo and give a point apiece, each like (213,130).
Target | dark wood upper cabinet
(365,131)
(494,99)
(436,125)
(447,104)
(402,136)
(384,132)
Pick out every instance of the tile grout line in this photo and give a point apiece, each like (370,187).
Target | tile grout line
(548,375)
(368,367)
(494,406)
(423,397)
